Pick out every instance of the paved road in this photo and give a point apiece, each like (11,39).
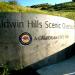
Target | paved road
(66,67)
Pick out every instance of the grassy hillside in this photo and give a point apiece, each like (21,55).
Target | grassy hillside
(64,10)
(6,7)
(68,6)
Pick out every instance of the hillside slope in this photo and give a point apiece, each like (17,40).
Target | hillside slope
(6,7)
(68,6)
(49,9)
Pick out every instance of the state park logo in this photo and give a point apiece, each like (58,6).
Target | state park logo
(25,38)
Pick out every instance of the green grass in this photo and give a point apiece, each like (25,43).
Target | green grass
(67,14)
(6,7)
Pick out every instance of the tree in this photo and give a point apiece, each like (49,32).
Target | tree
(73,0)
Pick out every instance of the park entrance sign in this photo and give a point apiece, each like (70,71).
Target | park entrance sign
(28,38)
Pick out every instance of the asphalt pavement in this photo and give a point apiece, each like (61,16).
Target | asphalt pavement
(66,67)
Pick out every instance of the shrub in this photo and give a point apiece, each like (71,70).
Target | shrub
(13,2)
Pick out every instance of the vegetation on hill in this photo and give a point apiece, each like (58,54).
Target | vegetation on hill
(69,6)
(63,9)
(13,2)
(73,0)
(8,7)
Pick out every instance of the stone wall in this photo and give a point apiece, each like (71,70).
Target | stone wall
(50,35)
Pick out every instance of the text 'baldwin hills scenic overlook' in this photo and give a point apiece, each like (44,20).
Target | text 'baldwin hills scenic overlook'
(13,33)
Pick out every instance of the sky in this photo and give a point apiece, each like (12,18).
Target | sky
(34,2)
